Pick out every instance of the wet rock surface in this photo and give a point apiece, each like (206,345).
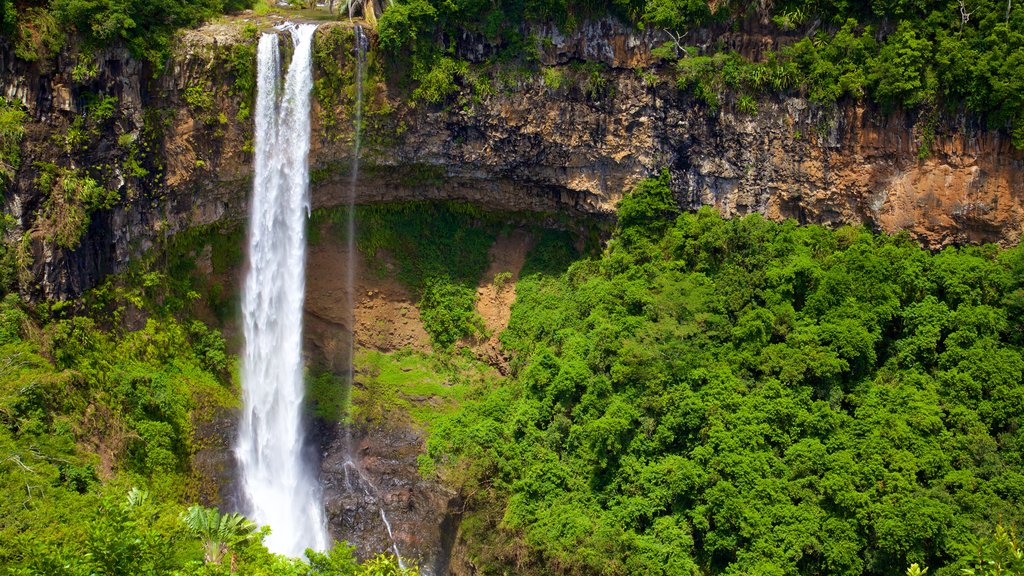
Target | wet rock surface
(213,463)
(369,475)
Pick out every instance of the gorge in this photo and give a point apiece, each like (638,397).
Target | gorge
(430,292)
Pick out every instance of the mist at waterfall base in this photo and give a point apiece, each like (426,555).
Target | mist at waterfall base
(280,488)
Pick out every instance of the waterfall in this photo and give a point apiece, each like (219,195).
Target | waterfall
(361,45)
(279,485)
(350,232)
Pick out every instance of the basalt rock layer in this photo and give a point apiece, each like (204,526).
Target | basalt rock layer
(601,115)
(575,144)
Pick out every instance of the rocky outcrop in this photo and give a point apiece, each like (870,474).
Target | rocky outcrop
(376,500)
(572,139)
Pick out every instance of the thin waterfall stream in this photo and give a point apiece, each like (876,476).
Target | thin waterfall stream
(350,229)
(361,46)
(280,487)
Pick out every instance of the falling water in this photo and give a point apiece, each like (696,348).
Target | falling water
(279,485)
(350,277)
(350,234)
(394,545)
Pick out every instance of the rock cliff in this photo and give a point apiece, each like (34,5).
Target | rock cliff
(601,117)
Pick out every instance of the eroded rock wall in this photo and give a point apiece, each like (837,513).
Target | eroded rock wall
(574,145)
(571,140)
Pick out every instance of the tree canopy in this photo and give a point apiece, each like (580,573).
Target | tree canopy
(715,396)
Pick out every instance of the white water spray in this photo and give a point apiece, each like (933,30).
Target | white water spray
(279,485)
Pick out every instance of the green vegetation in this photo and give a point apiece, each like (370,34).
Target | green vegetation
(929,54)
(200,101)
(175,283)
(39,36)
(80,404)
(440,251)
(441,256)
(438,82)
(146,26)
(999,555)
(98,422)
(218,532)
(413,385)
(327,396)
(90,130)
(12,130)
(86,129)
(70,198)
(86,67)
(241,61)
(1002,555)
(9,265)
(332,58)
(554,79)
(8,17)
(745,397)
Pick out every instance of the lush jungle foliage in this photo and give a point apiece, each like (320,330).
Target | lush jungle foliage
(717,396)
(80,405)
(146,26)
(932,54)
(101,405)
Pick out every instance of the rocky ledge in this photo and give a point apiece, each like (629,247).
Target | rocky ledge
(523,143)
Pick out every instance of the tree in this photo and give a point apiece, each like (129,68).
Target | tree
(219,532)
(676,17)
(402,24)
(901,73)
(1000,555)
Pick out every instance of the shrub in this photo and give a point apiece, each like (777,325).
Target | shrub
(12,130)
(439,82)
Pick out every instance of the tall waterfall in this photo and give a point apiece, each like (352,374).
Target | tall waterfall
(280,486)
(350,231)
(359,480)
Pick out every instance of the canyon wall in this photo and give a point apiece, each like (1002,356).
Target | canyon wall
(601,116)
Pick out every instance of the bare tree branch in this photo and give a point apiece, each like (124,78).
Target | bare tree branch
(965,16)
(17,460)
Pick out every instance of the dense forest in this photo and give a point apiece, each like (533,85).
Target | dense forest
(100,401)
(689,395)
(715,396)
(703,396)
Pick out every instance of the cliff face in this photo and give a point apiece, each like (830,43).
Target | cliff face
(572,139)
(177,151)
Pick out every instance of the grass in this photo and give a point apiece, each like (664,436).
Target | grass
(412,385)
(265,8)
(327,396)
